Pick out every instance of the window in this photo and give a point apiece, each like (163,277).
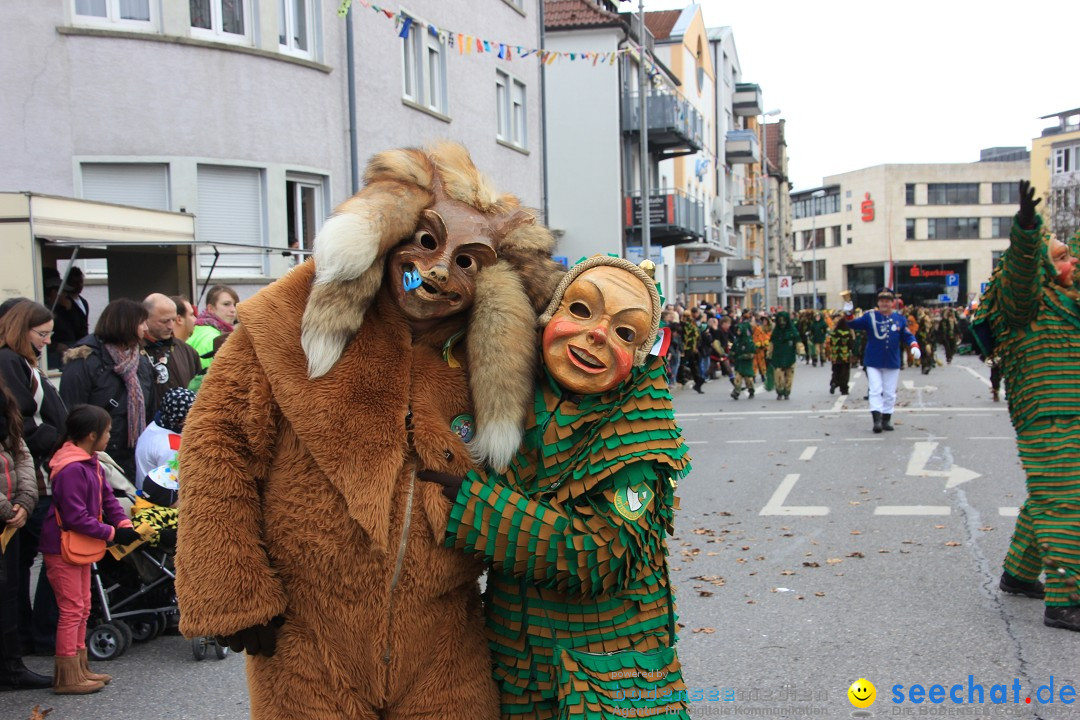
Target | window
(295,27)
(952,194)
(910,229)
(1000,227)
(815,239)
(129,14)
(144,185)
(231,211)
(510,109)
(303,209)
(1007,193)
(909,194)
(953,228)
(1064,160)
(424,67)
(836,240)
(225,20)
(808,270)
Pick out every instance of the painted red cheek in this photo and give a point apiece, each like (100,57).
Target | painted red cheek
(623,362)
(563,328)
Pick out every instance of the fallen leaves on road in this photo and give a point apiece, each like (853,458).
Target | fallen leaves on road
(855,554)
(819,594)
(952,543)
(987,528)
(834,561)
(856,532)
(811,564)
(706,630)
(787,572)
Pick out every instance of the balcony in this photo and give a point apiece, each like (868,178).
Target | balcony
(675,126)
(747,100)
(741,147)
(748,267)
(750,214)
(674,217)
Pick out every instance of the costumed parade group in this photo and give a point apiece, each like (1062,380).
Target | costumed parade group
(432,397)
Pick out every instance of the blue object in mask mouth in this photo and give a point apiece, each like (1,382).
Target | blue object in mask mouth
(411,280)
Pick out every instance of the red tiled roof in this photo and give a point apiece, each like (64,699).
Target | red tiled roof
(661,22)
(578,13)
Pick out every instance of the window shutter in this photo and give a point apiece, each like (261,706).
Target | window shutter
(142,185)
(230,210)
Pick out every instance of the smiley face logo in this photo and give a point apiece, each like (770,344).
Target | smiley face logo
(862,693)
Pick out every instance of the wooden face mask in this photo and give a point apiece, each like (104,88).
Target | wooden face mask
(434,274)
(604,317)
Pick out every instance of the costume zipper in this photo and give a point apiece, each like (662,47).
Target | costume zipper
(400,561)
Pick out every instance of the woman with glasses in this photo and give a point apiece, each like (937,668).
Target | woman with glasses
(26,329)
(109,369)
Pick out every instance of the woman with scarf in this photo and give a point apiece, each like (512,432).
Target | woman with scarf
(26,329)
(216,320)
(110,370)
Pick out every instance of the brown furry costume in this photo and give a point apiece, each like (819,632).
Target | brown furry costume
(299,491)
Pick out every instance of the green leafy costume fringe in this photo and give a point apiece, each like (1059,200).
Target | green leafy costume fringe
(1036,327)
(574,532)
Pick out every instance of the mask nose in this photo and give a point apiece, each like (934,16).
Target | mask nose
(598,334)
(439,273)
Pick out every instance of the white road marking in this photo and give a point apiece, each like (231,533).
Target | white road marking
(688,417)
(696,442)
(991,437)
(978,377)
(920,455)
(913,510)
(839,404)
(804,440)
(776,506)
(776,417)
(1008,511)
(910,385)
(862,440)
(808,453)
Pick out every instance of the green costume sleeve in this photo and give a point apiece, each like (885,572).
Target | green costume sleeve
(599,545)
(1020,281)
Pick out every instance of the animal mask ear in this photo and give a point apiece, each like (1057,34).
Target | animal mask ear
(349,254)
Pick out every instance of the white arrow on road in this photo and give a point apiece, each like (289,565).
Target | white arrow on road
(776,506)
(910,385)
(921,455)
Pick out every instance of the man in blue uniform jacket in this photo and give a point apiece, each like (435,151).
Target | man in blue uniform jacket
(886,332)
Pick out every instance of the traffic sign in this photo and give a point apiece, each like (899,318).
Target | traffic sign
(783,286)
(952,280)
(945,298)
(953,292)
(982,287)
(754,283)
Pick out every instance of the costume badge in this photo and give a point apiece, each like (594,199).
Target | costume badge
(464,427)
(632,502)
(162,372)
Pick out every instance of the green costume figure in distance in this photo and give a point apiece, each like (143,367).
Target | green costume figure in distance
(841,351)
(949,333)
(743,350)
(574,528)
(1030,316)
(819,330)
(782,354)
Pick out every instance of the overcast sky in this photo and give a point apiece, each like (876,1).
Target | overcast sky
(868,83)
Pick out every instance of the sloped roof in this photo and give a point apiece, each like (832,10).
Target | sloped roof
(661,22)
(563,14)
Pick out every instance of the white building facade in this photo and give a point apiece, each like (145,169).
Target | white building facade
(921,228)
(238,111)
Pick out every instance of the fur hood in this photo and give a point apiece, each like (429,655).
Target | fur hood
(350,258)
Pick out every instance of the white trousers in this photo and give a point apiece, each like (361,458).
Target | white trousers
(882,388)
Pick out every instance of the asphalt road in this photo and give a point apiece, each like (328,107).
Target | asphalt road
(808,553)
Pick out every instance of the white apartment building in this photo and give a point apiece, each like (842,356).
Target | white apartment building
(922,228)
(238,111)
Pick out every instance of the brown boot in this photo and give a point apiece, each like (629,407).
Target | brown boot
(69,678)
(89,674)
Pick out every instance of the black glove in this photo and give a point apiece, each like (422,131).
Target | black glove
(256,640)
(126,536)
(450,483)
(1028,201)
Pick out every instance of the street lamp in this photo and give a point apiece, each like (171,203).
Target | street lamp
(765,177)
(814,196)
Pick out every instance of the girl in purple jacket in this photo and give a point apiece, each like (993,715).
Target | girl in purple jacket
(82,502)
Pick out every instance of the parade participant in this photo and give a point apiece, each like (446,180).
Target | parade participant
(743,351)
(304,536)
(761,347)
(924,334)
(782,354)
(575,530)
(949,333)
(841,347)
(819,331)
(886,332)
(691,333)
(805,320)
(1029,317)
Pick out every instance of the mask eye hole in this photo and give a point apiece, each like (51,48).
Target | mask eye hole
(580,310)
(626,334)
(464,261)
(427,241)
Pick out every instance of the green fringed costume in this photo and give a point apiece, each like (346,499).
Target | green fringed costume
(743,350)
(782,353)
(574,532)
(1036,327)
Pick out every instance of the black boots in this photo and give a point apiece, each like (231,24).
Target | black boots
(1066,618)
(886,422)
(14,675)
(1015,586)
(877,420)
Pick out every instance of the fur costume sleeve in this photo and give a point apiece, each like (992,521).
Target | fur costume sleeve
(1020,281)
(591,548)
(224,579)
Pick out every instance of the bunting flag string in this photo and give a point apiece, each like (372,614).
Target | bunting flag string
(468,44)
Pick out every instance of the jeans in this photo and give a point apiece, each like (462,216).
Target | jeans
(71,583)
